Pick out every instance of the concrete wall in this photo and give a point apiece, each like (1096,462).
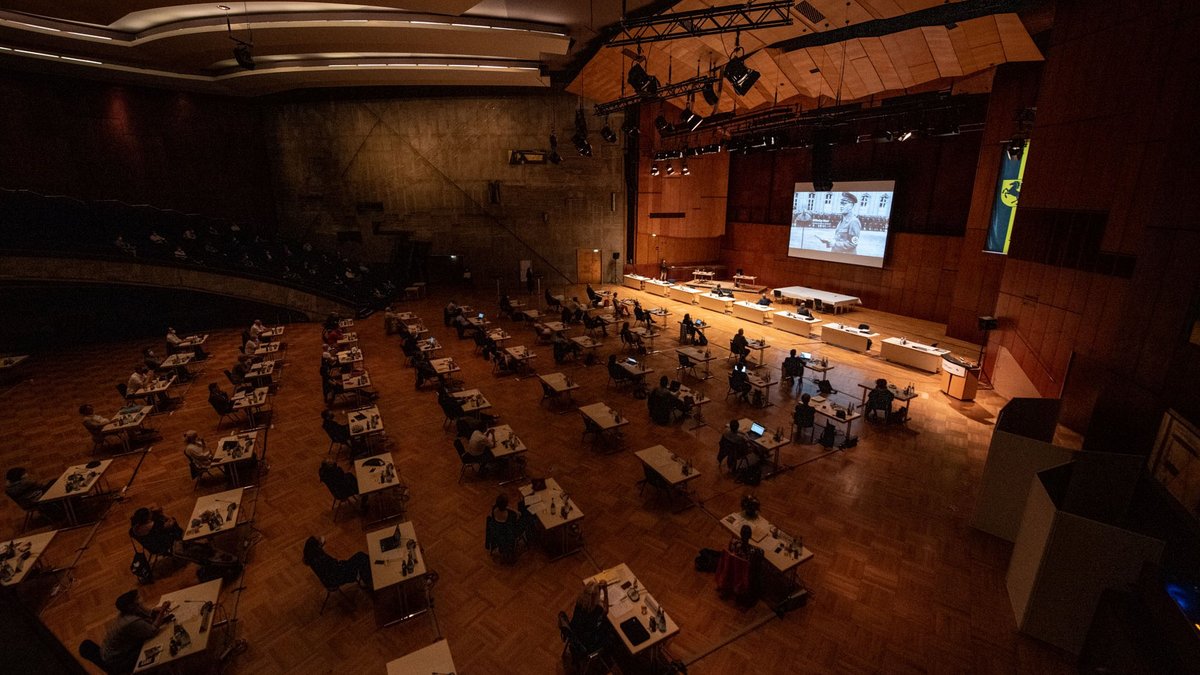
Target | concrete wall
(435,166)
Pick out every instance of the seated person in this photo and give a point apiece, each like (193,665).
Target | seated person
(687,329)
(503,530)
(425,370)
(564,348)
(739,345)
(592,323)
(551,301)
(462,325)
(576,310)
(450,311)
(257,329)
(139,379)
(125,635)
(506,305)
(333,572)
(23,488)
(739,381)
(341,483)
(732,446)
(156,532)
(196,449)
(763,300)
(739,573)
(174,345)
(793,367)
(804,312)
(620,309)
(219,400)
(631,338)
(642,315)
(150,359)
(337,432)
(480,445)
(880,399)
(593,296)
(804,416)
(329,336)
(95,424)
(589,621)
(615,371)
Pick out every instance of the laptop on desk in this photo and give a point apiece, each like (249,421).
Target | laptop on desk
(756,430)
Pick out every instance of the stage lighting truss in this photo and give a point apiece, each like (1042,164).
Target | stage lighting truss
(708,21)
(665,91)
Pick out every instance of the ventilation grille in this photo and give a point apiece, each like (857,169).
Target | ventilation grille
(811,13)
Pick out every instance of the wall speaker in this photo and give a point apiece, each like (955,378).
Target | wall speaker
(988,323)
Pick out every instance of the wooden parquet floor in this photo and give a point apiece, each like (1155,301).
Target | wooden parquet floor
(900,583)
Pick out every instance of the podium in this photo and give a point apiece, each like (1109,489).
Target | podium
(960,379)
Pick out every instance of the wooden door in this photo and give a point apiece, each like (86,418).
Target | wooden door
(587,266)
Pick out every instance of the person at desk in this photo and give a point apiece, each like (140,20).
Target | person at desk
(151,359)
(630,338)
(687,329)
(793,367)
(503,530)
(564,347)
(125,635)
(589,624)
(196,449)
(139,379)
(733,448)
(333,572)
(722,292)
(880,399)
(24,489)
(804,312)
(257,329)
(174,342)
(462,325)
(425,370)
(593,296)
(739,381)
(341,483)
(641,314)
(336,431)
(661,402)
(449,312)
(740,346)
(763,300)
(480,445)
(330,336)
(620,311)
(506,307)
(739,573)
(804,416)
(845,237)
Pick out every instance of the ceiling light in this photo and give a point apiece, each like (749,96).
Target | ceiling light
(690,120)
(654,168)
(642,82)
(739,75)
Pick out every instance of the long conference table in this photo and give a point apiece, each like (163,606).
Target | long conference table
(914,354)
(838,301)
(752,312)
(847,336)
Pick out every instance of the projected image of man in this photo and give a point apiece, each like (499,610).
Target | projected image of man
(845,237)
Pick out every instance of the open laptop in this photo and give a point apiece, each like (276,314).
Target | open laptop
(756,430)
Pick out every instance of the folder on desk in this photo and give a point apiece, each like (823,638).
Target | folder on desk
(635,631)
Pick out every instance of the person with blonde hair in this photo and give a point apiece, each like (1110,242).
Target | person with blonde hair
(588,620)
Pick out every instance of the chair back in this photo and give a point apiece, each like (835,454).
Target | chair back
(461,450)
(684,361)
(221,408)
(547,391)
(123,389)
(863,326)
(91,651)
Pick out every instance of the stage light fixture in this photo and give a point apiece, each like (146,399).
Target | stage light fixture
(739,74)
(553,156)
(607,133)
(582,146)
(643,83)
(684,169)
(670,169)
(882,137)
(689,119)
(654,169)
(905,135)
(243,56)
(663,125)
(710,94)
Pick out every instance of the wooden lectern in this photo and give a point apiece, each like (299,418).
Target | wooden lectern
(959,378)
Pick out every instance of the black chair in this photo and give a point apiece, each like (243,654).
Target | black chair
(342,493)
(804,418)
(653,479)
(223,412)
(686,364)
(330,587)
(742,390)
(197,473)
(863,326)
(467,460)
(548,393)
(123,390)
(502,539)
(580,656)
(91,651)
(731,453)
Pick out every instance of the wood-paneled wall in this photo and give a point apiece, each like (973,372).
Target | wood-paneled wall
(1133,156)
(917,280)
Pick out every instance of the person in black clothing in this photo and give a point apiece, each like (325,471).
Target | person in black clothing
(333,572)
(341,483)
(504,528)
(219,399)
(589,623)
(804,417)
(529,279)
(156,532)
(793,367)
(739,381)
(615,371)
(880,399)
(763,300)
(425,370)
(739,345)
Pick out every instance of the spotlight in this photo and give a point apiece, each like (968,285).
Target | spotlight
(663,125)
(948,130)
(654,169)
(607,133)
(739,75)
(1016,147)
(642,82)
(243,56)
(882,137)
(554,157)
(710,95)
(684,169)
(905,135)
(670,169)
(690,120)
(582,145)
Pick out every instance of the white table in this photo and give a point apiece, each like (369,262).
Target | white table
(125,423)
(444,366)
(376,474)
(397,567)
(739,279)
(350,356)
(621,607)
(657,287)
(847,337)
(194,609)
(902,395)
(634,281)
(472,400)
(767,442)
(250,402)
(715,303)
(794,323)
(830,412)
(214,514)
(752,311)
(784,552)
(698,355)
(608,420)
(553,521)
(837,301)
(76,481)
(21,555)
(919,356)
(435,658)
(365,423)
(234,449)
(703,275)
(675,470)
(685,293)
(561,385)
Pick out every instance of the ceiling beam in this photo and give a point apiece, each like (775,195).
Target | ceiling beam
(708,21)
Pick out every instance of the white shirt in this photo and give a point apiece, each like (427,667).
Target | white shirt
(479,443)
(173,339)
(136,381)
